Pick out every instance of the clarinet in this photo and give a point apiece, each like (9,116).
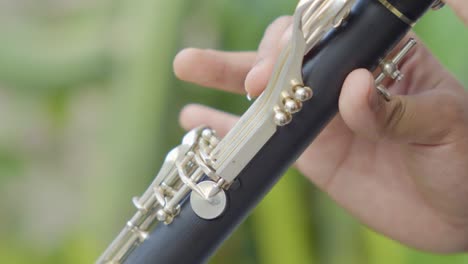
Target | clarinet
(207,186)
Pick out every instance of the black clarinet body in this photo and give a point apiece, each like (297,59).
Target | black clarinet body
(370,31)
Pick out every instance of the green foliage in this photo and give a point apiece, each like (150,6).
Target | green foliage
(282,226)
(446,36)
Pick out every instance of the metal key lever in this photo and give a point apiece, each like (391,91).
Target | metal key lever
(389,68)
(182,174)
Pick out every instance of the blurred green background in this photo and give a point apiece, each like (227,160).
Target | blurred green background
(88,109)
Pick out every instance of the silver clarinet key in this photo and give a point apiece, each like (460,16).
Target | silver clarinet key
(211,203)
(181,173)
(203,167)
(389,68)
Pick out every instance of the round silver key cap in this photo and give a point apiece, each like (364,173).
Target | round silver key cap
(208,207)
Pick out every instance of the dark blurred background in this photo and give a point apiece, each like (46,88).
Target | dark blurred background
(88,109)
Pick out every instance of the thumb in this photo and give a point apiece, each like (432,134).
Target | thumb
(421,119)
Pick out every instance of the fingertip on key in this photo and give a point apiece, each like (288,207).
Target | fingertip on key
(257,79)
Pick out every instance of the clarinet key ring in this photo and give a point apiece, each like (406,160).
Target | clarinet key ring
(389,68)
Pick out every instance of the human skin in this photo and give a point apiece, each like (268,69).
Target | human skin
(400,167)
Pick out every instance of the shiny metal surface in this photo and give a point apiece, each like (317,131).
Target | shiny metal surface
(397,12)
(180,174)
(202,154)
(312,20)
(389,68)
(211,203)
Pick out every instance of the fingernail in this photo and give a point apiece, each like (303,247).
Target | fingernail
(375,100)
(249,81)
(252,74)
(258,62)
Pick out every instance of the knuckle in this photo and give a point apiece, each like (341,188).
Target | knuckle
(217,75)
(221,74)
